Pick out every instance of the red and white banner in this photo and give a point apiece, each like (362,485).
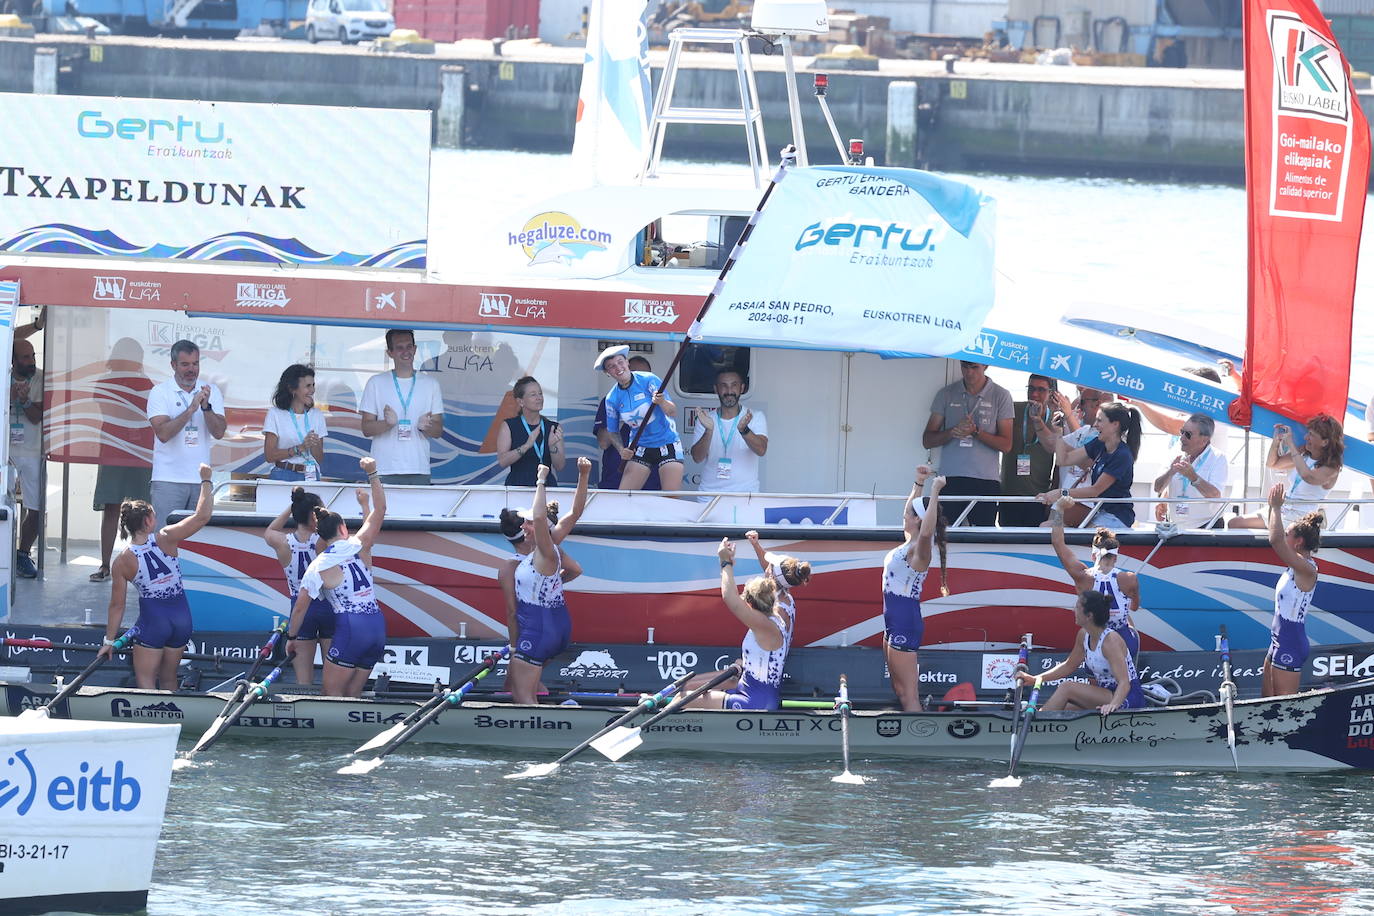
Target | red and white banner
(1307,171)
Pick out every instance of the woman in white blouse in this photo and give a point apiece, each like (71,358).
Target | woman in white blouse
(294,431)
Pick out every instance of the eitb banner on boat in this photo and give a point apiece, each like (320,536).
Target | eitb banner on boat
(214,181)
(847,258)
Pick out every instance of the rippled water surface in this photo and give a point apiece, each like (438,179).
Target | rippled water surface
(258,826)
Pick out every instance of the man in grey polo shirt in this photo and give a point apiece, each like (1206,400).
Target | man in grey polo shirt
(186,417)
(970,421)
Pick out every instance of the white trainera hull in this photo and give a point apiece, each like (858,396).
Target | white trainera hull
(1320,730)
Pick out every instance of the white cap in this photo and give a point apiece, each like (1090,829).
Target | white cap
(620,350)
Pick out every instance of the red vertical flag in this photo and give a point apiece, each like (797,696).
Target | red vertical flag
(1307,171)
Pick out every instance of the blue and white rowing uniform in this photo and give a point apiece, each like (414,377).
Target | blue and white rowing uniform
(164,614)
(1107,584)
(902,601)
(359,628)
(1101,670)
(319,616)
(760,683)
(1288,643)
(541,612)
(629,406)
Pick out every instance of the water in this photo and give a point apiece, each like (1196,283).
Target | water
(261,826)
(265,827)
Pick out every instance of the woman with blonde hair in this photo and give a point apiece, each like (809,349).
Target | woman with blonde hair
(764,650)
(1288,643)
(1315,466)
(904,575)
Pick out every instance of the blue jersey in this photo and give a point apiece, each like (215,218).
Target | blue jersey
(628,406)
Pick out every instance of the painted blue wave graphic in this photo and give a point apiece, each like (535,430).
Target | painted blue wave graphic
(60,238)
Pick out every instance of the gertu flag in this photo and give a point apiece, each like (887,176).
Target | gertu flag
(1307,170)
(869,259)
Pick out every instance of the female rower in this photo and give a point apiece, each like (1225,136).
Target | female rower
(787,572)
(628,403)
(1113,455)
(1109,662)
(295,550)
(1315,467)
(530,439)
(293,433)
(342,573)
(1288,645)
(904,575)
(764,650)
(1121,588)
(151,564)
(532,583)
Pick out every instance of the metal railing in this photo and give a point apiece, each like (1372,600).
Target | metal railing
(335,495)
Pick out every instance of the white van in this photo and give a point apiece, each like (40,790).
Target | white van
(347,21)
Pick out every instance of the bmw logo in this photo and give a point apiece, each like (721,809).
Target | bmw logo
(963,728)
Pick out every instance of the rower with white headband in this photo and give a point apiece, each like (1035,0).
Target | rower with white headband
(1121,588)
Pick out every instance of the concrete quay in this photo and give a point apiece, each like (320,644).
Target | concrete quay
(982,115)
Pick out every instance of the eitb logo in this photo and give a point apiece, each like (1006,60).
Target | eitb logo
(1309,68)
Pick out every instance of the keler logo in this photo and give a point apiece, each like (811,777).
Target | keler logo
(889,728)
(963,728)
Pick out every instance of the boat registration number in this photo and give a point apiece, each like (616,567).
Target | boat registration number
(33,850)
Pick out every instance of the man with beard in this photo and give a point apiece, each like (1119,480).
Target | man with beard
(26,448)
(729,441)
(186,417)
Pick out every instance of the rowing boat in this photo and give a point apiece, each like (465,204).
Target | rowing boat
(1319,730)
(811,670)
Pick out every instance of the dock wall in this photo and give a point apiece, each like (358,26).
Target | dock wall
(1016,120)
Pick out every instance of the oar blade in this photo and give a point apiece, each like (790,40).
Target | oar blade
(361,767)
(211,734)
(183,763)
(616,744)
(39,713)
(849,779)
(1006,782)
(534,772)
(382,739)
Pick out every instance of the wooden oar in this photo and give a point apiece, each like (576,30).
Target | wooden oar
(1022,659)
(391,738)
(1228,696)
(1011,780)
(617,742)
(46,710)
(842,706)
(644,705)
(225,720)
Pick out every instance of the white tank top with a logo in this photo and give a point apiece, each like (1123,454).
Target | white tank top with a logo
(158,575)
(301,555)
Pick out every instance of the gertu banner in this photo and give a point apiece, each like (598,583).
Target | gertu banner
(867,259)
(214,181)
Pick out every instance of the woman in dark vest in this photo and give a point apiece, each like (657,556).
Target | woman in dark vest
(528,439)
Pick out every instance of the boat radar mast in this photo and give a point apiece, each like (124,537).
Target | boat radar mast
(786,18)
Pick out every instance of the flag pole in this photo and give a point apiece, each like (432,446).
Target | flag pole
(788,160)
